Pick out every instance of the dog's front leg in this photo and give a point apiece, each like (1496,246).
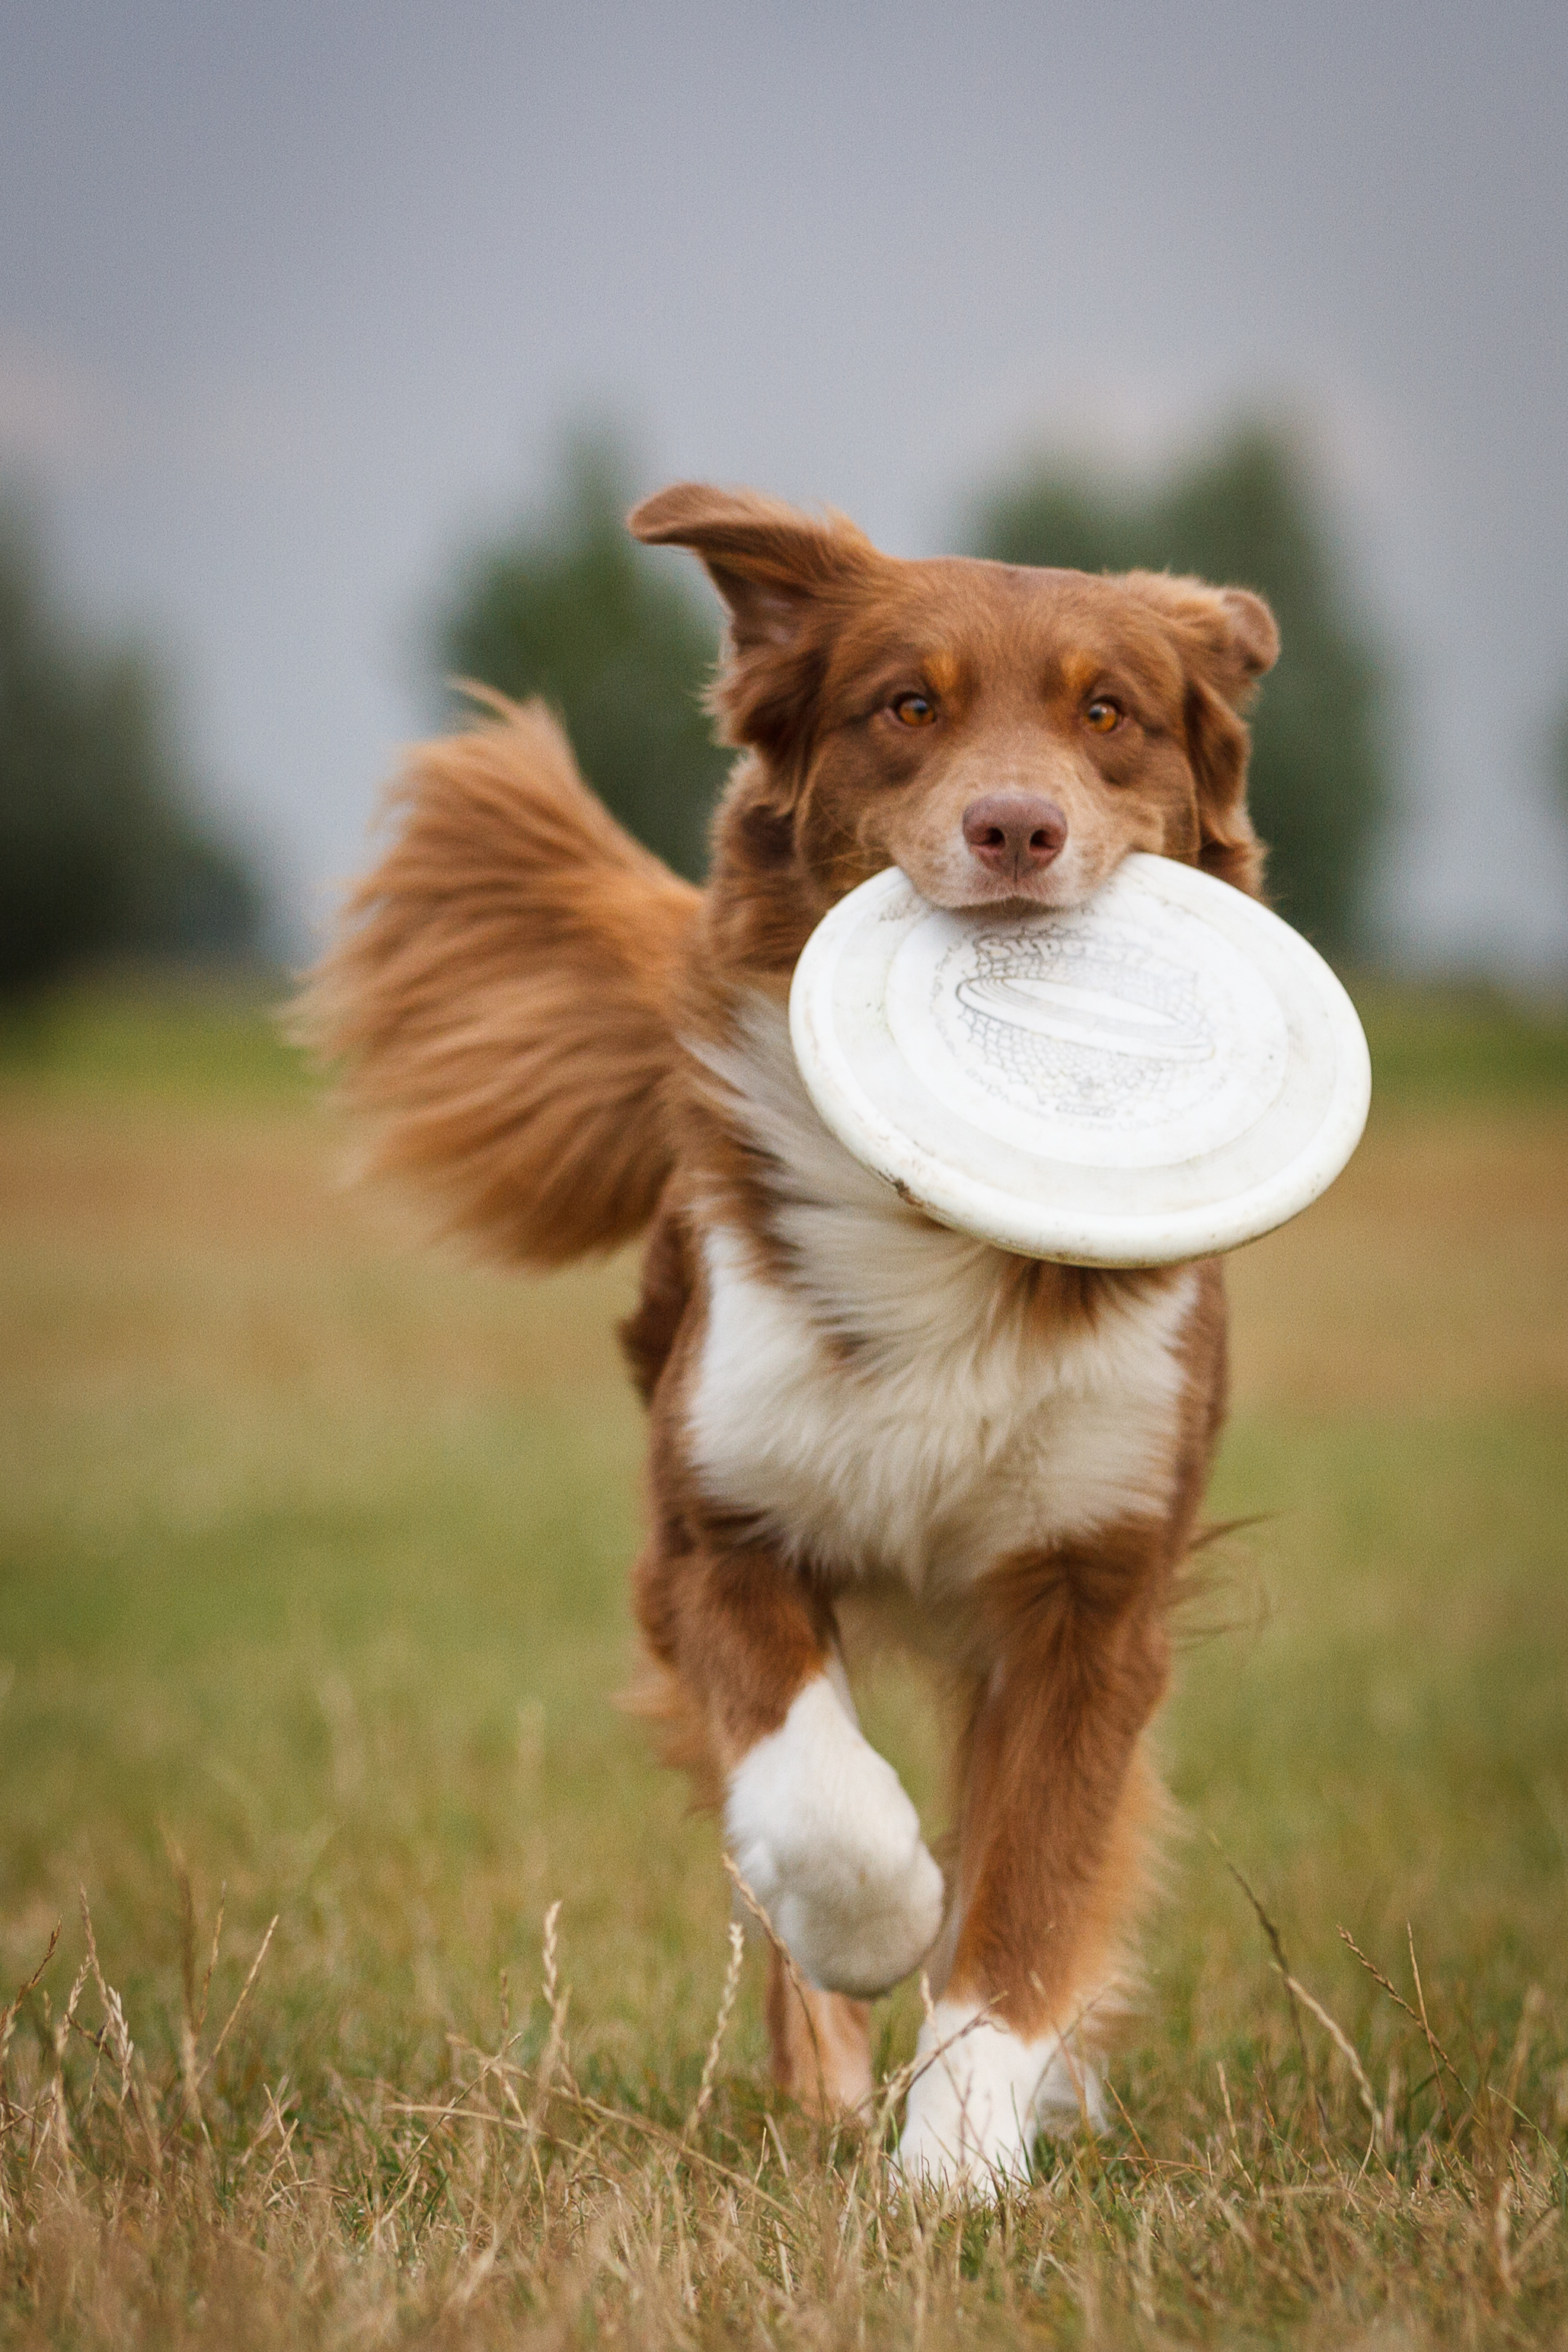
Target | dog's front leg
(817,1823)
(1054,1808)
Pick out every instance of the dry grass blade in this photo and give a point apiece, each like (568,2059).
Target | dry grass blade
(245,1992)
(725,2004)
(133,2076)
(56,2117)
(1132,2130)
(212,1962)
(1530,2014)
(1276,1945)
(557,2001)
(786,1960)
(193,2006)
(1436,2056)
(1346,2049)
(1439,2056)
(1376,1973)
(177,1863)
(13,2008)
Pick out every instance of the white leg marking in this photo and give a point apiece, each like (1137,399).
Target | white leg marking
(824,1835)
(974,2113)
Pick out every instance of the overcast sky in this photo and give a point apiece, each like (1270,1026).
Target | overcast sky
(296,297)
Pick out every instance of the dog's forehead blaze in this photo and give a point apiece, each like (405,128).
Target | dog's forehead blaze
(1093,632)
(959,623)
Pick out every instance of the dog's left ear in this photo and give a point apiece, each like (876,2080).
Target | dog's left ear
(785,576)
(1228,641)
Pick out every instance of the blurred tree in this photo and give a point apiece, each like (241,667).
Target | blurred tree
(1247,518)
(1558,758)
(576,612)
(99,852)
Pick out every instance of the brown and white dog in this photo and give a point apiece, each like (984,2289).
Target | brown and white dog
(854,1411)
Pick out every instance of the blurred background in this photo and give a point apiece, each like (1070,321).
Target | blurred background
(334,344)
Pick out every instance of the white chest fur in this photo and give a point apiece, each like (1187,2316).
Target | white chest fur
(947,1435)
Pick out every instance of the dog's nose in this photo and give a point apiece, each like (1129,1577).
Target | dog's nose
(1014,833)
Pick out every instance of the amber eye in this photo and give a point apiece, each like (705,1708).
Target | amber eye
(914,710)
(1102,715)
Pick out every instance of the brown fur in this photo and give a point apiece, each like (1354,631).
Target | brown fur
(515,994)
(468,990)
(1078,1650)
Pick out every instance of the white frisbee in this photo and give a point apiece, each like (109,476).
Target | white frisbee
(1167,1071)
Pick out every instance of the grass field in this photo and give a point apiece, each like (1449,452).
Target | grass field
(312,1551)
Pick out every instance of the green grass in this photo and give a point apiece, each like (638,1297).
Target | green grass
(195,1039)
(313,1587)
(1454,1045)
(213,1041)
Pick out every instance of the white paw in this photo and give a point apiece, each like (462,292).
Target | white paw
(824,1835)
(973,2115)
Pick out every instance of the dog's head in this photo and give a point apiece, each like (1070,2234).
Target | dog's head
(1001,733)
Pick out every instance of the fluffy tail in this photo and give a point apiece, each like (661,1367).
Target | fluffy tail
(502,995)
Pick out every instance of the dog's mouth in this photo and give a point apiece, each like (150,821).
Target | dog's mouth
(1051,892)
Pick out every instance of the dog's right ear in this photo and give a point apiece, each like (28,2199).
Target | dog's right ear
(785,577)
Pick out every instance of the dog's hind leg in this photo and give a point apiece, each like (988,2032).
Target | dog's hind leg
(820,2044)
